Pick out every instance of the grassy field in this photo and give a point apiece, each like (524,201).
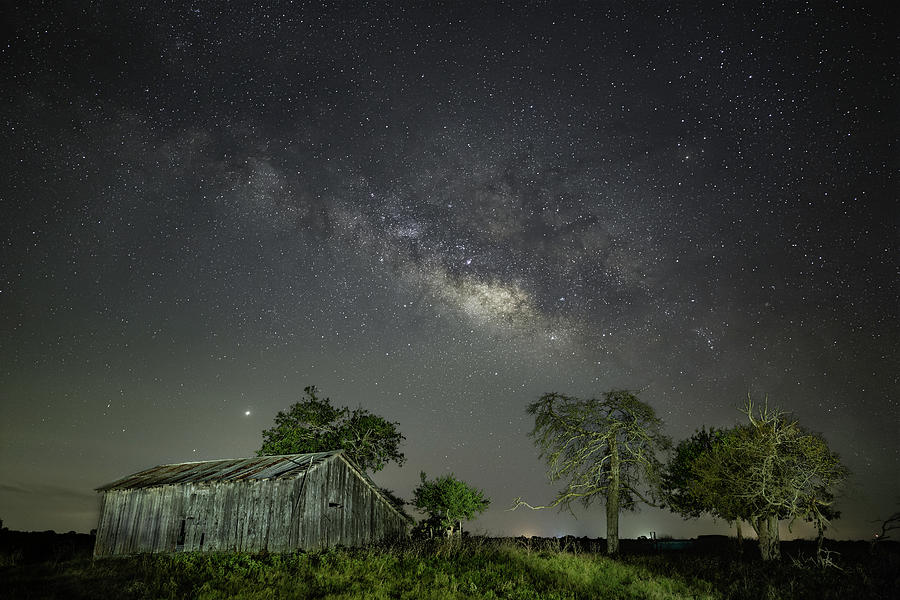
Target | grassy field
(469,568)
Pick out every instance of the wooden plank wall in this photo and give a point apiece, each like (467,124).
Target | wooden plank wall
(335,506)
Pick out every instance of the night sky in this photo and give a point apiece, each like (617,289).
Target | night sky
(439,214)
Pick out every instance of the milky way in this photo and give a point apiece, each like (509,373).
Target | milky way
(439,215)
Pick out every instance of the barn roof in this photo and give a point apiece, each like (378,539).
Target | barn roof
(230,469)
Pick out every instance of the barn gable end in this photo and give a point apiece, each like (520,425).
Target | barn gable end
(272,503)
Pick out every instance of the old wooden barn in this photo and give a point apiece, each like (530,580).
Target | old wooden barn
(273,503)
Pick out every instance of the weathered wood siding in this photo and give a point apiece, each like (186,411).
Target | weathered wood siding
(333,506)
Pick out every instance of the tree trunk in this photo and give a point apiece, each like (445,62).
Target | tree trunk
(762,534)
(612,501)
(774,539)
(769,542)
(820,539)
(740,537)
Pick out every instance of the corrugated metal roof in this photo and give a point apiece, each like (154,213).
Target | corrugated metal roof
(231,469)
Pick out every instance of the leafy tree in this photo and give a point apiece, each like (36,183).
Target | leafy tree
(449,501)
(679,492)
(678,475)
(764,471)
(314,425)
(604,448)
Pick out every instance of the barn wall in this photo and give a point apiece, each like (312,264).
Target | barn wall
(338,507)
(333,506)
(137,521)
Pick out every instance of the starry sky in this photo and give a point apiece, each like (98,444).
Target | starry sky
(439,214)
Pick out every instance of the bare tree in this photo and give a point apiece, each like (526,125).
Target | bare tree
(603,448)
(892,523)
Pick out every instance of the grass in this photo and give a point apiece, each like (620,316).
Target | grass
(469,568)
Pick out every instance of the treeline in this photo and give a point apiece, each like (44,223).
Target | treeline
(762,471)
(611,450)
(33,547)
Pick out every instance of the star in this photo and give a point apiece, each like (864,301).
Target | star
(194,218)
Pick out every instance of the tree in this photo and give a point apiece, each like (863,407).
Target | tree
(764,471)
(679,473)
(314,425)
(449,501)
(892,523)
(678,491)
(604,448)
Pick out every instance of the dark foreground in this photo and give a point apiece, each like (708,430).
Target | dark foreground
(48,565)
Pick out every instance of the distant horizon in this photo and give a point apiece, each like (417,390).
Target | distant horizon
(751,537)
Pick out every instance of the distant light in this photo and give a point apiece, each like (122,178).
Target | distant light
(246,413)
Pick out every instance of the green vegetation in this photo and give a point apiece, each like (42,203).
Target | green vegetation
(314,425)
(461,568)
(448,501)
(764,471)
